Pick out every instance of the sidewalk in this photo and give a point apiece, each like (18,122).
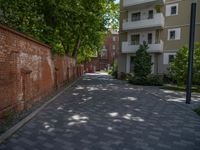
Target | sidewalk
(101,113)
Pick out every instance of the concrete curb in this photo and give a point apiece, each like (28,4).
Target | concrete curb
(161,98)
(21,123)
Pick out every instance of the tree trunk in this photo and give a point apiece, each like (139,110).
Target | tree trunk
(76,47)
(66,47)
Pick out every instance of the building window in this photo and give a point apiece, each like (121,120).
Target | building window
(132,62)
(136,16)
(113,54)
(168,58)
(104,53)
(172,9)
(174,34)
(171,58)
(135,39)
(113,47)
(150,15)
(150,37)
(114,38)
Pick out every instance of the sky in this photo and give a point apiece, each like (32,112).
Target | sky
(117,1)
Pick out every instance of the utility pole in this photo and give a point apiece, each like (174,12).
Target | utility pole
(191,49)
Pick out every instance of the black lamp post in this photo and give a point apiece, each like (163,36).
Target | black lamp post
(191,49)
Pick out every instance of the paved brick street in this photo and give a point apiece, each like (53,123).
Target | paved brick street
(99,113)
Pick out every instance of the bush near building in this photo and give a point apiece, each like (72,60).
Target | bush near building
(197,110)
(114,70)
(177,71)
(142,69)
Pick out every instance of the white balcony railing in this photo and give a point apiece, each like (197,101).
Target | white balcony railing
(128,3)
(158,20)
(153,48)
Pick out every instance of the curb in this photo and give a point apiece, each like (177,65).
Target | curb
(21,123)
(161,98)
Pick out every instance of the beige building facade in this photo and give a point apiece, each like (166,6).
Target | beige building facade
(163,24)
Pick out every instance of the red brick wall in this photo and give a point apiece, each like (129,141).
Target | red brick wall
(27,70)
(64,69)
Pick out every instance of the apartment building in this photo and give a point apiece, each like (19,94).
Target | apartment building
(163,24)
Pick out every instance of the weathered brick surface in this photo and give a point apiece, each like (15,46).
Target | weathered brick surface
(27,70)
(64,67)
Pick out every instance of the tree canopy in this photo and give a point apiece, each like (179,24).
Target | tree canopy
(72,27)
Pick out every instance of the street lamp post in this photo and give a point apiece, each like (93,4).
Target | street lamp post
(191,49)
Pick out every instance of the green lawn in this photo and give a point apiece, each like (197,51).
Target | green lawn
(180,88)
(197,111)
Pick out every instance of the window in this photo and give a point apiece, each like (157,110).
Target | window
(113,47)
(136,16)
(172,9)
(114,38)
(104,53)
(171,58)
(113,54)
(150,16)
(135,39)
(149,38)
(168,58)
(174,34)
(132,62)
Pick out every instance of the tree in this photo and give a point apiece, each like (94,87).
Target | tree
(142,62)
(179,67)
(69,26)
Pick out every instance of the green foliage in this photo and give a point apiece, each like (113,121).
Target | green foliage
(114,71)
(178,68)
(142,69)
(149,81)
(142,62)
(197,110)
(158,8)
(174,87)
(72,27)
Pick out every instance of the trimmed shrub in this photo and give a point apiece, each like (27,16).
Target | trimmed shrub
(149,81)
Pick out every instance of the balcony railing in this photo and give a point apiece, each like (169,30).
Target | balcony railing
(153,48)
(128,3)
(157,21)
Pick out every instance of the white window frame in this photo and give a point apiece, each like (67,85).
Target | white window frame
(169,7)
(177,33)
(166,57)
(113,47)
(114,38)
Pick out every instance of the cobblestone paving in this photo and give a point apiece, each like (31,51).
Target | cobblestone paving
(99,113)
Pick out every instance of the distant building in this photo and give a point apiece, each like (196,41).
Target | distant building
(108,54)
(109,51)
(163,24)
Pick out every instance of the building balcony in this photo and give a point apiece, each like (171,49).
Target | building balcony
(153,48)
(128,3)
(157,21)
